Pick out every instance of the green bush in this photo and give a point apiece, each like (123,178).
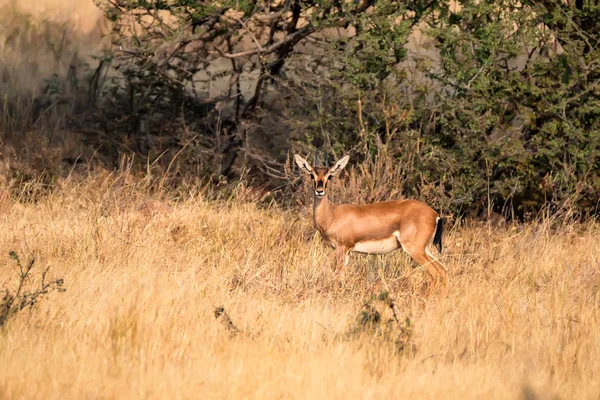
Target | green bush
(512,125)
(530,128)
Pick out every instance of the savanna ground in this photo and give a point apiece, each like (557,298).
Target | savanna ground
(144,278)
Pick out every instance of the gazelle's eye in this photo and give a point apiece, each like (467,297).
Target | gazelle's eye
(329,177)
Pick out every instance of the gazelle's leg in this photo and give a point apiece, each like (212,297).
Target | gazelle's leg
(442,276)
(441,269)
(341,256)
(413,244)
(431,266)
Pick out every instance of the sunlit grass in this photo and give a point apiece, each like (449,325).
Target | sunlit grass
(143,281)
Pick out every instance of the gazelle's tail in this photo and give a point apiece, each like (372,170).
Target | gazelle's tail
(437,237)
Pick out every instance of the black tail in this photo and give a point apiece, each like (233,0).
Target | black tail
(437,238)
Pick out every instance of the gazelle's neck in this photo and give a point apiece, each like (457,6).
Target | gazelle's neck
(322,212)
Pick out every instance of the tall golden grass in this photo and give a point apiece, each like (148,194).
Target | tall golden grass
(143,278)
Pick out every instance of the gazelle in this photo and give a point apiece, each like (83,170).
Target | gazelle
(377,228)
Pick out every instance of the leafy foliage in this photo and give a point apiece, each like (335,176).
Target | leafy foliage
(511,124)
(527,126)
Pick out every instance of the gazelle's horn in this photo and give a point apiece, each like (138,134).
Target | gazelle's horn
(317,157)
(327,160)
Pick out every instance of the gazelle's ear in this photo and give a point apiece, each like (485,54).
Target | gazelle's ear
(303,164)
(339,165)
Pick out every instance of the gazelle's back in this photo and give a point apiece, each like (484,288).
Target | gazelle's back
(357,222)
(389,210)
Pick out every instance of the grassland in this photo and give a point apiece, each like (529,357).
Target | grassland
(145,275)
(143,278)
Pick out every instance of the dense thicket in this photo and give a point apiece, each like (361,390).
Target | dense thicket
(497,109)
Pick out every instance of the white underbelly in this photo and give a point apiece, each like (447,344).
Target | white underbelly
(382,246)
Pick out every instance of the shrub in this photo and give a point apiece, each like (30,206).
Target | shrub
(21,298)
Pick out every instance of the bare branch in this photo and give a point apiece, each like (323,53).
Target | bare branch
(291,39)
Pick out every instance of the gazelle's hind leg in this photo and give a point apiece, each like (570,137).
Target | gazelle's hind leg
(441,269)
(429,264)
(421,254)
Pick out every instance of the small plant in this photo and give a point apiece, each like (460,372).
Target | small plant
(221,314)
(13,302)
(378,317)
(372,320)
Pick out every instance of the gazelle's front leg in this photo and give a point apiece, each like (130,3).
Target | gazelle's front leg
(341,257)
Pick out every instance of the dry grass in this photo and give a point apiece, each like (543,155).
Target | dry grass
(522,317)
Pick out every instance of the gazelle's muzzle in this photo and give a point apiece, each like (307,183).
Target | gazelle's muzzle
(319,188)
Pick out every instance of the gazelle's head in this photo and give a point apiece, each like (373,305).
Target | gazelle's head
(321,175)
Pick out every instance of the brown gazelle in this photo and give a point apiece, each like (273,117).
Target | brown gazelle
(377,228)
